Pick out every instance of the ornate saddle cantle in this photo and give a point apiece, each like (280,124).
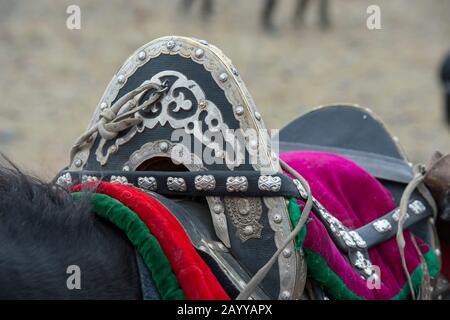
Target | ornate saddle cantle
(171,96)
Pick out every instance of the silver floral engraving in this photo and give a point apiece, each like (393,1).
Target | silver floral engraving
(269,183)
(205,182)
(245,214)
(176,184)
(148,183)
(382,225)
(65,180)
(364,264)
(237,184)
(396,215)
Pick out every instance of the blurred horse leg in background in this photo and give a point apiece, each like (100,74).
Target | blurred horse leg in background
(445,79)
(206,8)
(267,15)
(324,17)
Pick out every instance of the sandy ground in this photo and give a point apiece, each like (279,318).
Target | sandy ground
(51,78)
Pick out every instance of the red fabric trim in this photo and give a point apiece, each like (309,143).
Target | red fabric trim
(194,275)
(445,256)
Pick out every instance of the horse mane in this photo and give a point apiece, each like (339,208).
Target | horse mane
(43,230)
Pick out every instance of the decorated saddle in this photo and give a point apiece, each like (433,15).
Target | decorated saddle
(177,141)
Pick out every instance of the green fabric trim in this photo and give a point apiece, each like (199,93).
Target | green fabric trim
(147,245)
(320,271)
(294,212)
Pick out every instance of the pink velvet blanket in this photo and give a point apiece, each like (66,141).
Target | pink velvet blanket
(356,198)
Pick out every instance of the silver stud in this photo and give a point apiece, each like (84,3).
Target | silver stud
(382,225)
(239,110)
(202,248)
(199,53)
(176,184)
(65,181)
(142,55)
(103,106)
(277,218)
(170,44)
(237,184)
(78,163)
(287,253)
(147,183)
(218,208)
(285,295)
(163,146)
(202,104)
(248,230)
(235,71)
(126,168)
(113,149)
(121,78)
(269,183)
(119,179)
(204,42)
(438,252)
(223,77)
(257,115)
(205,182)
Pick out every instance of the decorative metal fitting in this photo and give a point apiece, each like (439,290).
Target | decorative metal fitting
(269,183)
(417,207)
(358,239)
(148,183)
(119,179)
(87,179)
(176,184)
(205,182)
(65,181)
(237,184)
(382,225)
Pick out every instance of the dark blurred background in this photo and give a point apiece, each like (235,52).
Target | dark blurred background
(51,77)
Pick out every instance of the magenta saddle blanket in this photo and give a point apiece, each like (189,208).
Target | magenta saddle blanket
(356,198)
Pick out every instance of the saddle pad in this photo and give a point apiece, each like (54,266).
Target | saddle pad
(194,275)
(355,198)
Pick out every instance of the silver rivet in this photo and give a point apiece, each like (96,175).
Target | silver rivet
(217,208)
(142,55)
(218,153)
(223,77)
(365,117)
(78,163)
(277,218)
(239,110)
(202,104)
(199,53)
(163,146)
(170,44)
(287,253)
(113,149)
(285,295)
(257,115)
(204,42)
(438,252)
(126,168)
(103,106)
(235,71)
(248,230)
(121,78)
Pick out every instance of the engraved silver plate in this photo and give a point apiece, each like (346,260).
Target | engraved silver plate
(176,184)
(382,225)
(269,183)
(237,184)
(147,183)
(205,182)
(65,181)
(245,214)
(119,179)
